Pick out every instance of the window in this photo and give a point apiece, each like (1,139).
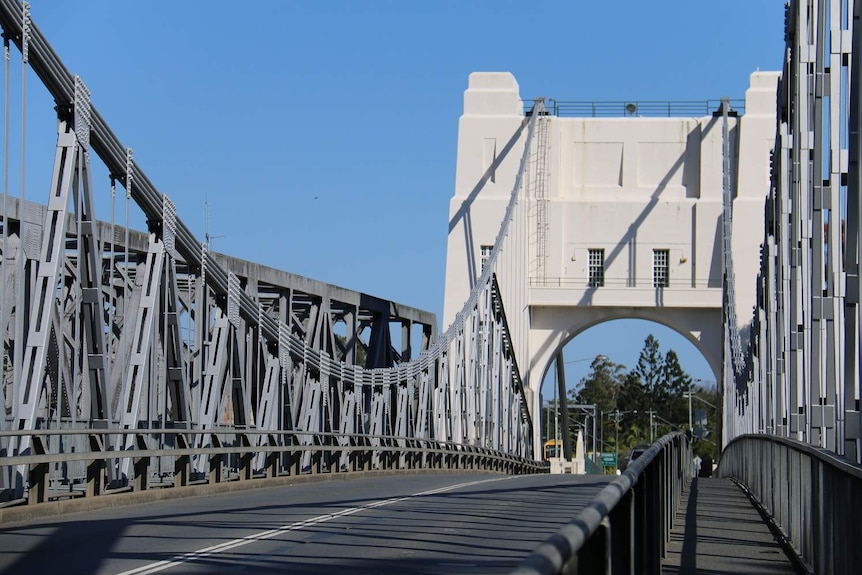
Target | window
(597,268)
(660,271)
(486,255)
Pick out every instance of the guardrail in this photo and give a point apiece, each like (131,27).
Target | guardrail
(626,527)
(813,496)
(637,108)
(84,465)
(643,283)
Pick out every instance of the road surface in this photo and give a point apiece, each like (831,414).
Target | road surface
(395,524)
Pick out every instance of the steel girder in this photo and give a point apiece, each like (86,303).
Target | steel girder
(130,330)
(805,340)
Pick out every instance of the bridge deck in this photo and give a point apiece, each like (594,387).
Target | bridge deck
(720,531)
(389,524)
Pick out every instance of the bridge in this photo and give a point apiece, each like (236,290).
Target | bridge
(140,366)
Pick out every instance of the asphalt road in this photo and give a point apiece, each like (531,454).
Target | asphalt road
(410,524)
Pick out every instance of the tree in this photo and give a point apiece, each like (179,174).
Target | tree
(657,383)
(601,386)
(341,350)
(634,402)
(650,367)
(675,383)
(632,396)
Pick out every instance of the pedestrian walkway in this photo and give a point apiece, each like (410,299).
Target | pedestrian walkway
(719,531)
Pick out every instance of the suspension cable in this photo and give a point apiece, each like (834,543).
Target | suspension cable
(20,303)
(112,302)
(5,272)
(125,274)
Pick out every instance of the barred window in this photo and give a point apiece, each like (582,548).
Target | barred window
(660,271)
(597,268)
(486,255)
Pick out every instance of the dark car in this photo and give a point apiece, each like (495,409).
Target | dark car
(636,452)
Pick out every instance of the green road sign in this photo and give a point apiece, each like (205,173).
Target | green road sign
(609,459)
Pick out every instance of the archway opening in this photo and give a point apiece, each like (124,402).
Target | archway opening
(625,383)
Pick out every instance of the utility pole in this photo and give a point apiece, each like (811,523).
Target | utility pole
(651,428)
(617,443)
(589,408)
(602,432)
(690,428)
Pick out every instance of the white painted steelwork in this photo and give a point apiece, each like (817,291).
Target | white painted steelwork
(172,335)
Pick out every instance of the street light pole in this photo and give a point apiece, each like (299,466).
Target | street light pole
(617,443)
(602,431)
(651,428)
(690,428)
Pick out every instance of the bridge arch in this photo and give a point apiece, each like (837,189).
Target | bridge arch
(552,327)
(705,337)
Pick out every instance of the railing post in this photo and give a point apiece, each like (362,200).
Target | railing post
(246,458)
(215,461)
(182,463)
(595,555)
(294,457)
(141,464)
(667,504)
(667,491)
(652,520)
(821,527)
(38,474)
(271,459)
(623,535)
(365,455)
(95,467)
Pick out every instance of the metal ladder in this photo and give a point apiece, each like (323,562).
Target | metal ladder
(541,195)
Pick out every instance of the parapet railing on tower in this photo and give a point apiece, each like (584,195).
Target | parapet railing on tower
(626,527)
(105,373)
(812,495)
(635,108)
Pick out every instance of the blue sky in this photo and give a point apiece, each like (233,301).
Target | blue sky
(323,134)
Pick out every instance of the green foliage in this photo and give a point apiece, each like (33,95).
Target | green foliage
(601,386)
(657,383)
(650,365)
(671,402)
(633,396)
(341,350)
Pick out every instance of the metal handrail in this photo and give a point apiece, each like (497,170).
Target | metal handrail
(644,282)
(812,495)
(360,440)
(233,455)
(637,108)
(622,529)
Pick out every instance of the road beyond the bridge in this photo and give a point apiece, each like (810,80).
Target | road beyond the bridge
(413,524)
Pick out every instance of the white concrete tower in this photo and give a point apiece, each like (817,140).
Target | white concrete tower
(631,225)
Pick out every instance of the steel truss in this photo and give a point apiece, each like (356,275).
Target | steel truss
(805,332)
(115,329)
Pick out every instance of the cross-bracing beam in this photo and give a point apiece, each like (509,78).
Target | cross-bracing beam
(220,344)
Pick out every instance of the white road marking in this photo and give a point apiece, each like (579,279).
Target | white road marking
(263,535)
